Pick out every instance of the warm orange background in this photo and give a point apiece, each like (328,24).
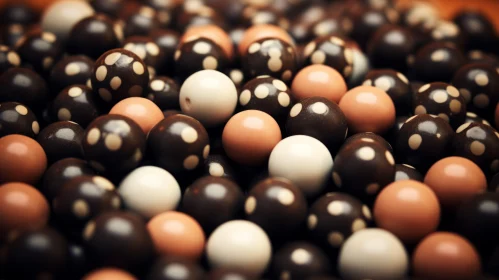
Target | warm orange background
(447,7)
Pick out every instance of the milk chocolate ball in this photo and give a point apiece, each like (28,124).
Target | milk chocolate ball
(143,111)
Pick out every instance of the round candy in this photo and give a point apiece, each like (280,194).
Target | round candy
(149,191)
(390,46)
(175,268)
(408,209)
(319,118)
(24,86)
(8,59)
(374,254)
(178,143)
(261,31)
(443,255)
(61,140)
(118,239)
(76,103)
(277,206)
(331,51)
(225,247)
(395,84)
(113,144)
(336,216)
(164,92)
(303,160)
(39,50)
(167,40)
(71,70)
(213,33)
(60,17)
(407,172)
(299,260)
(319,80)
(145,48)
(454,180)
(143,111)
(472,117)
(109,273)
(358,105)
(208,195)
(437,61)
(111,8)
(177,234)
(23,208)
(366,22)
(22,158)
(370,138)
(15,118)
(119,74)
(249,137)
(141,22)
(209,96)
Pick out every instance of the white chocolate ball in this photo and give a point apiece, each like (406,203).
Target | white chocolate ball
(60,17)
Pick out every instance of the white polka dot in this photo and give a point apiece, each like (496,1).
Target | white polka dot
(402,78)
(462,127)
(93,136)
(103,183)
(35,126)
(367,82)
(112,58)
(318,57)
(189,135)
(439,55)
(177,54)
(301,256)
(191,162)
(137,156)
(440,96)
(261,91)
(280,85)
(274,64)
(482,79)
(296,110)
(312,221)
(206,151)
(337,41)
(75,92)
(283,99)
(383,83)
(250,205)
(389,158)
(309,48)
(358,224)
(477,148)
(444,117)
(274,52)
(285,197)
(157,85)
(366,212)
(424,87)
(245,97)
(337,179)
(415,141)
(22,110)
(452,91)
(348,56)
(254,48)
(372,188)
(152,48)
(201,48)
(113,142)
(89,230)
(64,114)
(216,169)
(135,91)
(335,238)
(335,208)
(49,37)
(366,153)
(115,83)
(14,58)
(236,76)
(210,63)
(101,73)
(138,68)
(481,101)
(80,208)
(319,108)
(176,271)
(72,69)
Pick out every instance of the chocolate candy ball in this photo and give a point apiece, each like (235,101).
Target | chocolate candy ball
(179,143)
(167,40)
(477,29)
(62,171)
(118,239)
(225,247)
(268,95)
(164,92)
(270,56)
(145,48)
(357,105)
(395,84)
(111,8)
(366,22)
(336,216)
(61,140)
(71,70)
(208,195)
(478,142)
(76,103)
(196,54)
(15,118)
(454,180)
(113,144)
(109,273)
(141,22)
(369,137)
(259,32)
(119,74)
(24,86)
(423,140)
(175,268)
(82,199)
(437,61)
(23,208)
(23,159)
(319,118)
(141,110)
(408,209)
(8,59)
(44,251)
(443,100)
(277,206)
(177,234)
(315,163)
(407,172)
(458,261)
(213,33)
(331,51)
(357,259)
(390,46)
(209,96)
(39,50)
(472,117)
(249,137)
(319,80)
(149,191)
(300,260)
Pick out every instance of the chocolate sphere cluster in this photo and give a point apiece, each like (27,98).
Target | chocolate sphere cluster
(287,140)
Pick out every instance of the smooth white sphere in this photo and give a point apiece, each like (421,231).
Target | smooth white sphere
(209,96)
(373,254)
(303,160)
(60,17)
(150,190)
(239,245)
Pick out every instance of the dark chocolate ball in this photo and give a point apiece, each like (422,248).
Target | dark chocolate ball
(336,216)
(24,86)
(77,263)
(18,13)
(145,48)
(61,140)
(366,22)
(62,171)
(442,100)
(15,118)
(477,29)
(369,137)
(179,143)
(300,260)
(437,62)
(167,40)
(8,59)
(198,54)
(164,92)
(331,51)
(119,74)
(407,172)
(395,84)
(212,201)
(118,239)
(111,8)
(39,50)
(174,268)
(423,140)
(319,118)
(472,117)
(114,144)
(75,103)
(270,56)
(71,70)
(140,23)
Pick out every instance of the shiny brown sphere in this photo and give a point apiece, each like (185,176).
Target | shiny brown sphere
(455,179)
(143,111)
(22,158)
(175,233)
(443,255)
(368,109)
(213,33)
(249,137)
(22,207)
(319,80)
(261,31)
(408,209)
(108,274)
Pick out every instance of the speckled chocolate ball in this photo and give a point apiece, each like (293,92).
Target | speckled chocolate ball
(71,70)
(164,92)
(76,103)
(300,260)
(395,84)
(24,86)
(39,50)
(15,118)
(390,46)
(331,51)
(61,140)
(437,61)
